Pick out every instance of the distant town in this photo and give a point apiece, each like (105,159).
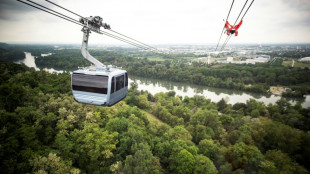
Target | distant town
(290,54)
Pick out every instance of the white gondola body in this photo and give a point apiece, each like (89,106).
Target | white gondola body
(103,88)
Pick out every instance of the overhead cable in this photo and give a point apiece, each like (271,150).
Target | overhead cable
(52,10)
(109,30)
(134,40)
(55,13)
(240,12)
(226,41)
(247,10)
(64,8)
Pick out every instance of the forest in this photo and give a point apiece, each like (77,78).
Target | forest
(253,78)
(43,130)
(9,54)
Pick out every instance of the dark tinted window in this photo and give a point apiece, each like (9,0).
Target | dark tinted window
(119,82)
(126,78)
(90,83)
(112,85)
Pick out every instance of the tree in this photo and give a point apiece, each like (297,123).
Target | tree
(204,165)
(52,164)
(179,132)
(282,137)
(278,162)
(143,102)
(208,148)
(93,145)
(142,162)
(184,162)
(245,157)
(221,104)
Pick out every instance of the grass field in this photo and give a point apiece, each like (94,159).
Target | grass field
(153,119)
(156,59)
(296,64)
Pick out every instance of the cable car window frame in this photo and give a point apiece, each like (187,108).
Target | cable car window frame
(126,78)
(120,82)
(112,85)
(90,83)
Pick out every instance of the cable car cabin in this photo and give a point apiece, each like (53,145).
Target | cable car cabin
(103,88)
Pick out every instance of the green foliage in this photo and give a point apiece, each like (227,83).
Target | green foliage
(245,157)
(68,59)
(11,54)
(208,148)
(52,164)
(278,162)
(204,165)
(221,104)
(142,162)
(43,130)
(184,162)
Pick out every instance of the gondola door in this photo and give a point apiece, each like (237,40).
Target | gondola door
(117,89)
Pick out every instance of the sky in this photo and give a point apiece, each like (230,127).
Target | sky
(159,21)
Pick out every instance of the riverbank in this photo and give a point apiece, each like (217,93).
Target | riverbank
(154,86)
(183,89)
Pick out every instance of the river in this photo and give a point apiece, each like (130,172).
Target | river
(214,94)
(30,62)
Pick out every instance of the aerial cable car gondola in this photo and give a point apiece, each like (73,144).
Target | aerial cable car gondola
(232,29)
(98,84)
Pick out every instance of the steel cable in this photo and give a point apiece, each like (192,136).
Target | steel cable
(224,44)
(76,22)
(247,10)
(109,30)
(240,12)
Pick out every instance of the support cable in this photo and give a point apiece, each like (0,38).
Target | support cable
(224,44)
(240,12)
(100,32)
(64,9)
(247,10)
(73,21)
(110,30)
(134,40)
(52,10)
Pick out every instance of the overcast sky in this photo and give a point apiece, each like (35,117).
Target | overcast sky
(159,21)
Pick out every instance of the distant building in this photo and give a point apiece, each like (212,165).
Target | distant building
(258,59)
(202,59)
(305,59)
(209,59)
(230,59)
(263,57)
(250,61)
